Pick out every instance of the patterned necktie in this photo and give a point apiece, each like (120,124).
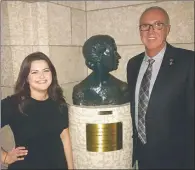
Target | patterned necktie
(143,101)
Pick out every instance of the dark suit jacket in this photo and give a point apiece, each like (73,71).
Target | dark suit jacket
(170,113)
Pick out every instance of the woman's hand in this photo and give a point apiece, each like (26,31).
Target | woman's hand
(16,154)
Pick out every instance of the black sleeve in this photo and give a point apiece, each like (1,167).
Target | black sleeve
(65,118)
(6,111)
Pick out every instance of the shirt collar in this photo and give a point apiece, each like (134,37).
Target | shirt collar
(157,57)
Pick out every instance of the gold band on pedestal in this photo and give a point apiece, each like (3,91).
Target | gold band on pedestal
(104,137)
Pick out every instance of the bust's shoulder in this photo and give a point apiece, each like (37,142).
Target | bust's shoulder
(80,86)
(79,91)
(123,85)
(116,80)
(123,89)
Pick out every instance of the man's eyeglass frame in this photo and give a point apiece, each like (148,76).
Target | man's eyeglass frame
(154,26)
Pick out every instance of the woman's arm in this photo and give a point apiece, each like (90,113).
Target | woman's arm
(65,136)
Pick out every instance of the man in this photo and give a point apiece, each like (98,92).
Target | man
(161,83)
(100,87)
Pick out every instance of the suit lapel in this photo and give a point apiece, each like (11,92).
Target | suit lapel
(162,75)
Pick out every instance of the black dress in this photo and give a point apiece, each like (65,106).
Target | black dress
(38,129)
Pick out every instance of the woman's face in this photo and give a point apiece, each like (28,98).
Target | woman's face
(40,76)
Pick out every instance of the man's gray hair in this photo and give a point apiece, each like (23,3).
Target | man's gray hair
(157,8)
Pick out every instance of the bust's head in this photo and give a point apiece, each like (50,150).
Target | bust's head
(100,52)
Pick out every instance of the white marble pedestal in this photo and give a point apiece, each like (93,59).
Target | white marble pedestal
(79,116)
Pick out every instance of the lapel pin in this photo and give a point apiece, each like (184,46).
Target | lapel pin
(171,62)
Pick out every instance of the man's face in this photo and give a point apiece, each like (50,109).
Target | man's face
(110,60)
(154,39)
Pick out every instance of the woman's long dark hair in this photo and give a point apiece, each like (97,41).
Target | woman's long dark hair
(22,89)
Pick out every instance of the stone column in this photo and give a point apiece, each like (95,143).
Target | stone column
(80,116)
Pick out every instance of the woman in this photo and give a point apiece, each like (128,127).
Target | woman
(38,116)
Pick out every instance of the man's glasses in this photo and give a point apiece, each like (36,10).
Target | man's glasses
(155,26)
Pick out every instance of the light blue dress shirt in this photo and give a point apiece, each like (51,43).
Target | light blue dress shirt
(155,69)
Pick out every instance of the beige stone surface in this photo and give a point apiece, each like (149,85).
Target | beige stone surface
(18,55)
(24,23)
(41,26)
(122,23)
(93,5)
(69,63)
(59,24)
(182,20)
(29,20)
(73,4)
(21,22)
(67,91)
(16,15)
(185,46)
(43,49)
(78,27)
(6,91)
(83,159)
(5,33)
(126,53)
(7,76)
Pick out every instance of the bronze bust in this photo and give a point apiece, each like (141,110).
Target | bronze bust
(100,87)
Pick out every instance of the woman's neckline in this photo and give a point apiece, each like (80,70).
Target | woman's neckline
(40,101)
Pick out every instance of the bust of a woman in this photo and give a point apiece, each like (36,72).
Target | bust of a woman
(100,87)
